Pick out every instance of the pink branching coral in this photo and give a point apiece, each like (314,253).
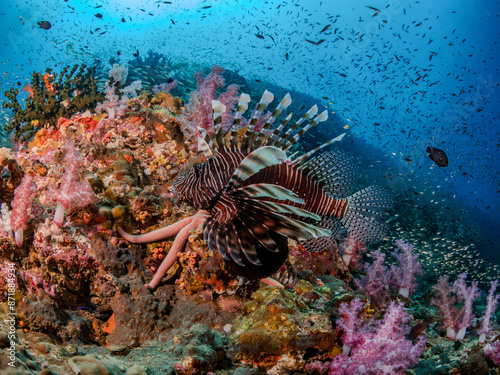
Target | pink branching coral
(374,283)
(491,306)
(385,351)
(492,352)
(72,192)
(352,252)
(349,323)
(454,319)
(199,109)
(21,206)
(404,277)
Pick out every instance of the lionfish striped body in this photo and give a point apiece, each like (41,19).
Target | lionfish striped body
(257,197)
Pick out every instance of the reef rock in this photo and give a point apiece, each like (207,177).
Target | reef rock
(282,325)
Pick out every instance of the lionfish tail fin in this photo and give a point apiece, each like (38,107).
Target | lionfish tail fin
(364,217)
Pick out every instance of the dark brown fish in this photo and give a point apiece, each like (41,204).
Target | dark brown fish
(44,25)
(417,329)
(438,156)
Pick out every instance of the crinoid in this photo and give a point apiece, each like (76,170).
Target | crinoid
(252,196)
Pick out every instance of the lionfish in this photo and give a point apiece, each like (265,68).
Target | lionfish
(252,197)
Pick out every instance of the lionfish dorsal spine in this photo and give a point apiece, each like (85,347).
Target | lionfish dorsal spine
(240,110)
(308,115)
(218,109)
(265,100)
(248,141)
(203,144)
(275,136)
(301,162)
(285,103)
(323,116)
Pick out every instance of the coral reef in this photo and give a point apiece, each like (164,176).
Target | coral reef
(80,303)
(278,323)
(52,95)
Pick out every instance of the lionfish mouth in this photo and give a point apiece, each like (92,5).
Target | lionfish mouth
(253,197)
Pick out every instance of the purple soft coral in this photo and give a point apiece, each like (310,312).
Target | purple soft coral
(491,306)
(467,295)
(349,323)
(385,351)
(72,193)
(455,320)
(21,206)
(198,111)
(374,283)
(404,277)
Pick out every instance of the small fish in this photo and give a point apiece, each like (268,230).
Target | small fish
(98,15)
(438,156)
(325,28)
(44,25)
(259,36)
(373,8)
(417,329)
(123,19)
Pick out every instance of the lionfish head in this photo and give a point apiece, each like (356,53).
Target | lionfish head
(184,185)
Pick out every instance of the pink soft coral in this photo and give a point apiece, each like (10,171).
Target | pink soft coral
(199,109)
(72,192)
(21,206)
(375,282)
(455,320)
(404,277)
(385,351)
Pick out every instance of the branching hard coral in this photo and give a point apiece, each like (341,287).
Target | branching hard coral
(181,229)
(54,96)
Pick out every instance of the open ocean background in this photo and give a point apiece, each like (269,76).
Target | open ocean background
(399,76)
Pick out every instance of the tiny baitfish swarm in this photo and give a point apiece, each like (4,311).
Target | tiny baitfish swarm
(252,197)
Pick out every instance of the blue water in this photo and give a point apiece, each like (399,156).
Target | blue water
(400,75)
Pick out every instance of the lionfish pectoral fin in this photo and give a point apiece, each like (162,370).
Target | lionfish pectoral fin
(233,245)
(220,240)
(246,241)
(269,191)
(334,170)
(255,161)
(259,232)
(270,262)
(267,215)
(211,239)
(364,216)
(318,245)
